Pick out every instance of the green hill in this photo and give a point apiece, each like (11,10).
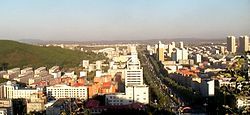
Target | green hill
(19,54)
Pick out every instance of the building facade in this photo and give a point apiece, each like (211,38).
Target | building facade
(133,94)
(133,72)
(160,51)
(65,91)
(243,44)
(231,44)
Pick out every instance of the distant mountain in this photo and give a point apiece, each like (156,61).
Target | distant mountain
(18,54)
(32,41)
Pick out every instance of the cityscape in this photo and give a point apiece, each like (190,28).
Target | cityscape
(124,61)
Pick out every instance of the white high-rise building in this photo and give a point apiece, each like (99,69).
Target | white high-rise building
(197,58)
(243,44)
(207,88)
(133,72)
(177,55)
(181,45)
(184,54)
(171,48)
(135,90)
(231,44)
(180,54)
(160,51)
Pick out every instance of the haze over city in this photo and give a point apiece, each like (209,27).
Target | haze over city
(88,20)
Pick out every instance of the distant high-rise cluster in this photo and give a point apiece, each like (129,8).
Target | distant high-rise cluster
(242,46)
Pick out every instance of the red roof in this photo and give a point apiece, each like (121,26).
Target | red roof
(78,84)
(40,83)
(106,85)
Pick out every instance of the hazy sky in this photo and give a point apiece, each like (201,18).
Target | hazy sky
(86,20)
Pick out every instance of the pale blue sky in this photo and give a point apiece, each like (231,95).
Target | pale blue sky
(86,20)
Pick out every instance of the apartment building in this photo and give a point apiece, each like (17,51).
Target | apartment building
(133,72)
(133,94)
(65,91)
(10,90)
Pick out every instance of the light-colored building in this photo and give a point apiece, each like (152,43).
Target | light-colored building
(69,73)
(28,69)
(133,94)
(171,48)
(181,45)
(135,90)
(83,73)
(85,63)
(140,93)
(12,73)
(6,107)
(2,73)
(243,44)
(10,90)
(36,103)
(180,54)
(14,70)
(24,93)
(55,71)
(98,65)
(133,72)
(184,54)
(35,106)
(24,77)
(231,44)
(65,91)
(222,49)
(197,58)
(207,88)
(98,73)
(40,69)
(160,51)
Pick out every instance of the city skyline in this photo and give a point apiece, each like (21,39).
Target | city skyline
(123,20)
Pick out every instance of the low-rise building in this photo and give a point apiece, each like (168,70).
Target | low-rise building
(55,71)
(133,94)
(28,69)
(10,90)
(6,107)
(36,103)
(2,73)
(14,70)
(65,91)
(40,69)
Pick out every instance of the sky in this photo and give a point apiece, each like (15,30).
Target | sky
(93,20)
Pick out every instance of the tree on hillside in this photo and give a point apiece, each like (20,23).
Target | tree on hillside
(5,66)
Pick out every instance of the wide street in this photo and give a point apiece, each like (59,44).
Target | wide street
(146,63)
